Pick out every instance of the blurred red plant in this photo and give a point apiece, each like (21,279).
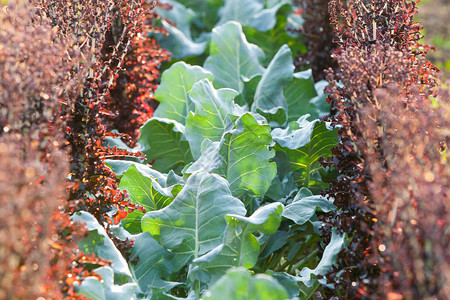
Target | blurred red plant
(379,50)
(60,60)
(34,254)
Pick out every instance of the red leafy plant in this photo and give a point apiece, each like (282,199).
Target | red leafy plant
(380,207)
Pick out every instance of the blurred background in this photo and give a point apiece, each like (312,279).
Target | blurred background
(435,17)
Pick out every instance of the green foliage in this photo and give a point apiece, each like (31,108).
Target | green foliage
(232,59)
(228,185)
(239,284)
(164,141)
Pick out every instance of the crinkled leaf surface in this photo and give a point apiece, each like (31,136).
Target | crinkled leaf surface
(209,119)
(246,157)
(303,143)
(105,289)
(302,209)
(194,222)
(240,247)
(98,242)
(176,83)
(165,143)
(239,284)
(232,59)
(269,99)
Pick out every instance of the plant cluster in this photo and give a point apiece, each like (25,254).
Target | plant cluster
(200,163)
(34,254)
(231,180)
(379,54)
(63,98)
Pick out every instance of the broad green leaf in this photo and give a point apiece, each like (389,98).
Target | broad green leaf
(269,99)
(302,209)
(320,101)
(194,222)
(232,59)
(240,247)
(165,143)
(241,11)
(147,188)
(179,40)
(206,12)
(176,83)
(211,109)
(289,282)
(245,98)
(105,289)
(271,41)
(337,243)
(210,159)
(274,243)
(98,242)
(119,166)
(144,189)
(250,13)
(153,263)
(239,284)
(299,94)
(246,157)
(282,190)
(132,222)
(266,19)
(302,144)
(180,44)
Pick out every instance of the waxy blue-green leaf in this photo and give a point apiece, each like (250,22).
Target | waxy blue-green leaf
(270,41)
(269,99)
(299,94)
(154,262)
(289,282)
(180,44)
(165,143)
(147,188)
(105,289)
(337,243)
(246,157)
(239,284)
(209,160)
(98,242)
(194,222)
(232,59)
(303,143)
(179,40)
(250,13)
(239,247)
(266,18)
(176,83)
(205,11)
(302,209)
(209,119)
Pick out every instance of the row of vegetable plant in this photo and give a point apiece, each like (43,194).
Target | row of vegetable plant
(232,178)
